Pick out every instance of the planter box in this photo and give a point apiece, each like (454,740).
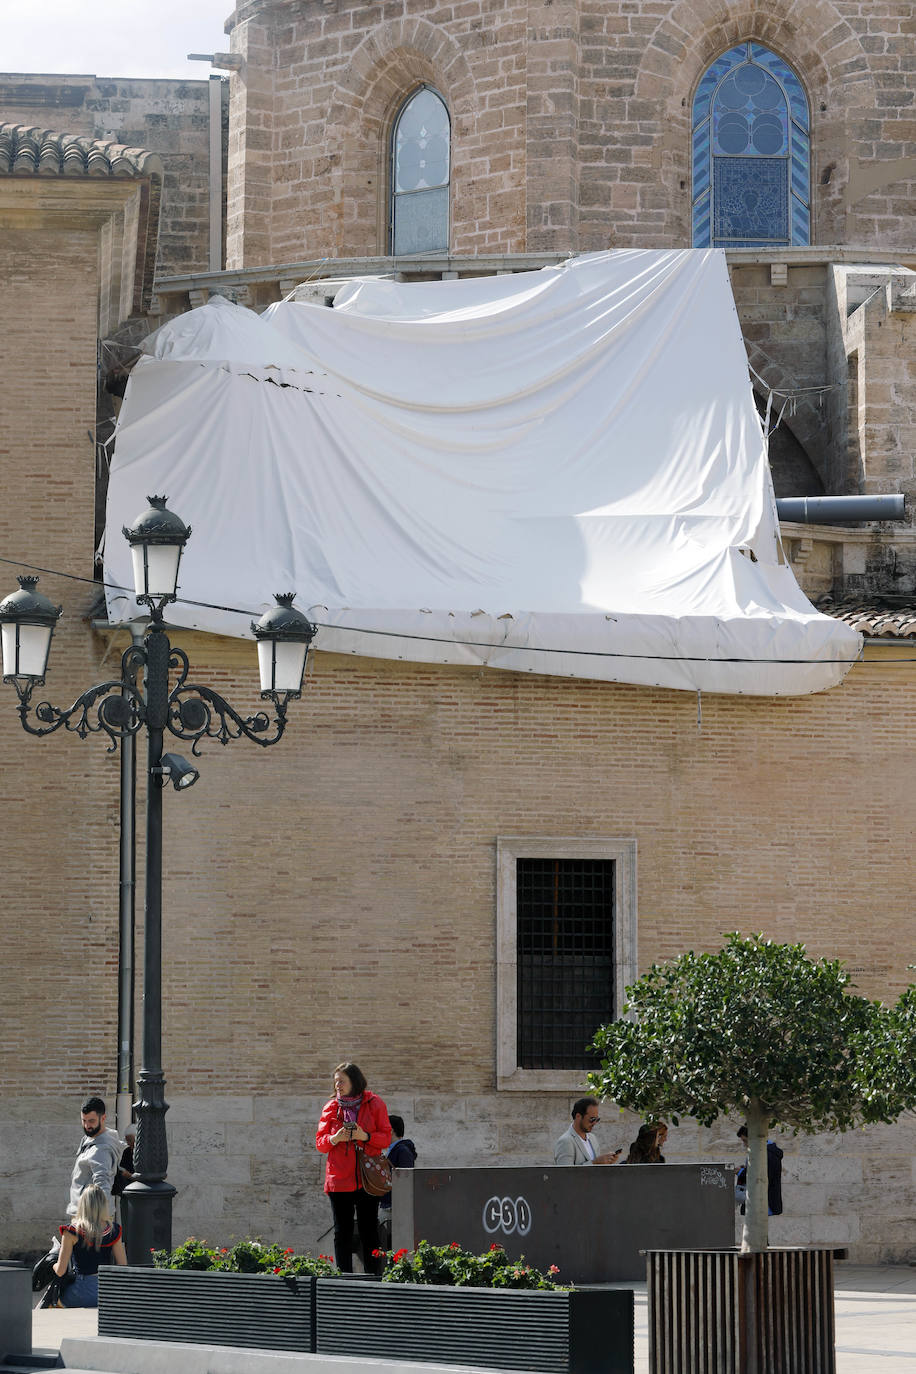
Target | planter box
(583,1331)
(721,1312)
(261,1311)
(15,1309)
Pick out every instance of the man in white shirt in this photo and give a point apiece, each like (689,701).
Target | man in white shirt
(576,1145)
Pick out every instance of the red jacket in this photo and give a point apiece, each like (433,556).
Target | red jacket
(340,1172)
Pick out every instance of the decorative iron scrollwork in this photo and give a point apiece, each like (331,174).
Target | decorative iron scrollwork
(118,708)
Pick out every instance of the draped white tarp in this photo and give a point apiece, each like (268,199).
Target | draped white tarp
(557,472)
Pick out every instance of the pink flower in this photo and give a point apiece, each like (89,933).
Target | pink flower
(554,1269)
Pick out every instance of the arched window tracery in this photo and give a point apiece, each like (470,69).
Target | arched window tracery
(751,153)
(420,172)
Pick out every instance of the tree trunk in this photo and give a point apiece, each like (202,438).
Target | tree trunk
(754,1237)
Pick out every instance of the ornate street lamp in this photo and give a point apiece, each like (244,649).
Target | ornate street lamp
(192,712)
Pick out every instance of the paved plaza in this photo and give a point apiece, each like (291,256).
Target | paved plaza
(875,1321)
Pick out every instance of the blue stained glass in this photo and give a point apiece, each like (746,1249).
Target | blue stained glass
(701,222)
(801,224)
(750,141)
(751,201)
(711,78)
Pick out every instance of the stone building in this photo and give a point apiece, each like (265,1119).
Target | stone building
(338,896)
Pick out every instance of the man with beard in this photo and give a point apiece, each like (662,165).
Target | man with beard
(98,1154)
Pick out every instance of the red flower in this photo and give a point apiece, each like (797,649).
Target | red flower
(495,1246)
(398,1255)
(376,1254)
(454,1245)
(277,1270)
(290,1251)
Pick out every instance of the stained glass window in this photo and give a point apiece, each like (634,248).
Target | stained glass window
(751,153)
(420,157)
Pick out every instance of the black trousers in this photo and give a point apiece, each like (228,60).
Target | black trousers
(344,1205)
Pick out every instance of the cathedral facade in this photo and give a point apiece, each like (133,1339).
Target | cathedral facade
(569,125)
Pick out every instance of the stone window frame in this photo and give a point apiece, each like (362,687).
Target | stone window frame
(395,119)
(509,848)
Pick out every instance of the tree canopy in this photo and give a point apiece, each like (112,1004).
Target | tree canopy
(759,1029)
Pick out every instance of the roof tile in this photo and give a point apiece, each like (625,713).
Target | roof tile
(26,151)
(873,616)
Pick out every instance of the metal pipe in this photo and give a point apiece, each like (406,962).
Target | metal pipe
(828,510)
(127,888)
(215,256)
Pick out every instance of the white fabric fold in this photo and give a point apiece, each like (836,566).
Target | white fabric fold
(557,472)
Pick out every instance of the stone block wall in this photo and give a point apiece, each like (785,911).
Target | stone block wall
(246,1165)
(167,117)
(570,118)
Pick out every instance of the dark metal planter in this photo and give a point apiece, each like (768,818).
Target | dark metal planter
(15,1309)
(721,1312)
(262,1311)
(583,1331)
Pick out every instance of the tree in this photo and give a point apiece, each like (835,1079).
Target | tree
(758,1029)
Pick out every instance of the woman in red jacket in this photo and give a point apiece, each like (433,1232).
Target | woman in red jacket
(353,1117)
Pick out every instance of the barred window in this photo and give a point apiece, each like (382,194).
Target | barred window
(566,951)
(565,913)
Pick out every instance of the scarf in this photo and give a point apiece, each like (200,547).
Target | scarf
(348,1107)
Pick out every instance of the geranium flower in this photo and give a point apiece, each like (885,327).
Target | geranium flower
(495,1246)
(554,1269)
(398,1255)
(277,1270)
(454,1245)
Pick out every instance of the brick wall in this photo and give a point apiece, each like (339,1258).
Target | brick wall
(334,897)
(58,800)
(571,118)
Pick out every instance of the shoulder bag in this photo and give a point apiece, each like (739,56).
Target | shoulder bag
(374,1173)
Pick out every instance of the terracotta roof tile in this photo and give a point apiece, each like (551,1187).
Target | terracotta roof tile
(26,151)
(873,616)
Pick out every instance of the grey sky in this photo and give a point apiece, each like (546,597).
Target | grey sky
(145,38)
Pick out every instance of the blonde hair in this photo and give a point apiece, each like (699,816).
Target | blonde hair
(92,1215)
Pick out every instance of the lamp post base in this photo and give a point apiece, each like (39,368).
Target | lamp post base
(147,1217)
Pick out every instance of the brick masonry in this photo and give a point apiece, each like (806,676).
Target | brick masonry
(334,897)
(170,118)
(570,118)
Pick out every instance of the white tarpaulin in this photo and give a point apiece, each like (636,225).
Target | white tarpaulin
(555,472)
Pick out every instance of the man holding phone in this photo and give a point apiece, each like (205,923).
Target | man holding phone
(576,1145)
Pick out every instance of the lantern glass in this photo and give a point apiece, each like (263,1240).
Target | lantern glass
(155,569)
(282,663)
(25,649)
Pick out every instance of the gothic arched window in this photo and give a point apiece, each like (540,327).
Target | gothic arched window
(420,156)
(751,153)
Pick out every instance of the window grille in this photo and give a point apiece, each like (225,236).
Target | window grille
(751,153)
(565,941)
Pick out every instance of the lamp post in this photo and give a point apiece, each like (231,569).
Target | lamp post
(119,708)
